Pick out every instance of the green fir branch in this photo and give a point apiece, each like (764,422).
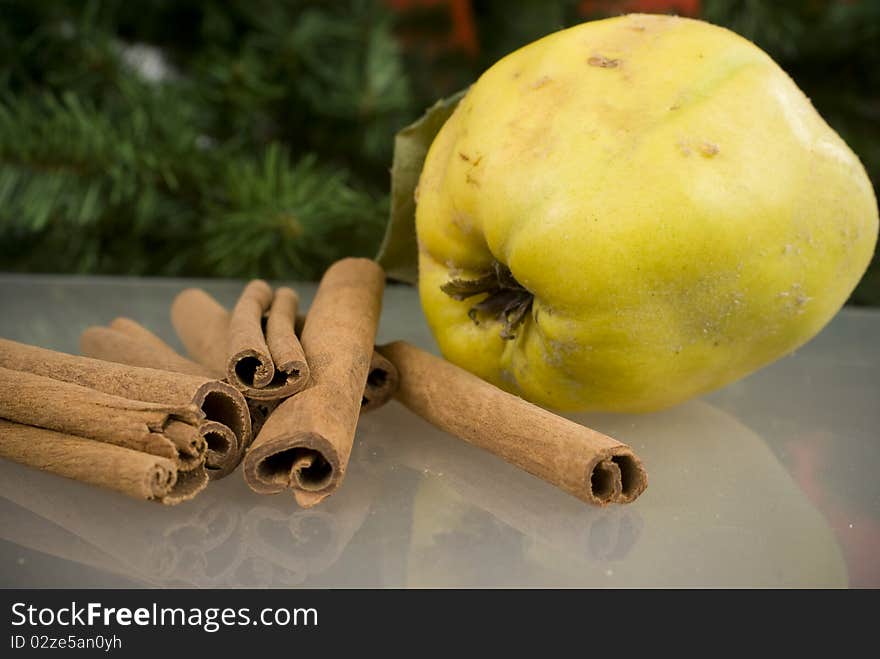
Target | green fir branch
(272,217)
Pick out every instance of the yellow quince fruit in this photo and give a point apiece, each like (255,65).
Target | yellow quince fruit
(634,211)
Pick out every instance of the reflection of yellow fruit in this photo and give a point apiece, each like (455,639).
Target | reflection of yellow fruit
(729,514)
(673,212)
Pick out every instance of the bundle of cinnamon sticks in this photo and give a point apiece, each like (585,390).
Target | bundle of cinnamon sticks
(276,392)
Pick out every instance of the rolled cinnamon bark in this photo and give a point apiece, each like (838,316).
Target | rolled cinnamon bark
(587,464)
(284,345)
(382,380)
(127,342)
(202,324)
(260,411)
(163,430)
(511,495)
(139,475)
(248,363)
(140,347)
(224,451)
(306,442)
(271,365)
(219,401)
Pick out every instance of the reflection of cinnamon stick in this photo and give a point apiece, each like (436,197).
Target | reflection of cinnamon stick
(269,366)
(306,443)
(154,428)
(24,528)
(309,541)
(220,402)
(585,463)
(530,506)
(120,527)
(139,475)
(127,342)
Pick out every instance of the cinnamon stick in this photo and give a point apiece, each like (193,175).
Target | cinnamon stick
(511,495)
(382,380)
(219,401)
(162,430)
(140,346)
(306,442)
(224,450)
(271,365)
(284,345)
(260,411)
(136,474)
(587,464)
(127,342)
(202,324)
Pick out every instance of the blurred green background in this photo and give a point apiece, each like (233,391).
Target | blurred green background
(253,137)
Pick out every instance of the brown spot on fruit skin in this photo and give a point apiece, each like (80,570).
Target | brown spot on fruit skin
(473,162)
(603,62)
(708,149)
(543,81)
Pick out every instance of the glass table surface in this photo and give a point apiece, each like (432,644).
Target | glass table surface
(771,481)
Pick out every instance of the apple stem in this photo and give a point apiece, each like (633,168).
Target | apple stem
(506,301)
